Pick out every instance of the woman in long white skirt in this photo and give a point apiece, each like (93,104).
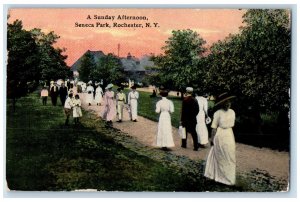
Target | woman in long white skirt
(164,136)
(221,160)
(201,128)
(90,94)
(98,95)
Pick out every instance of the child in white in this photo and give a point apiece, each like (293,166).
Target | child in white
(164,134)
(77,109)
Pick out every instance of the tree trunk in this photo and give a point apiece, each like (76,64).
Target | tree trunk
(181,94)
(14,104)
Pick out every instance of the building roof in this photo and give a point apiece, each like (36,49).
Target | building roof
(130,63)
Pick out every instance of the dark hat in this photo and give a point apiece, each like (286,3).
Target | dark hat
(133,87)
(223,97)
(164,92)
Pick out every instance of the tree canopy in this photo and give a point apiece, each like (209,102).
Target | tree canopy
(178,67)
(87,65)
(31,58)
(52,61)
(108,69)
(256,63)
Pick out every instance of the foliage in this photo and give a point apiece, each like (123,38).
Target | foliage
(22,65)
(261,181)
(255,64)
(52,61)
(182,55)
(109,69)
(31,58)
(87,65)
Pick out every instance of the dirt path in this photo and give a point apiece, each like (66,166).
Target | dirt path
(248,157)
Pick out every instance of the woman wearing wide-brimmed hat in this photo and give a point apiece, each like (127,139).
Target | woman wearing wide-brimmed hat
(221,160)
(165,107)
(109,111)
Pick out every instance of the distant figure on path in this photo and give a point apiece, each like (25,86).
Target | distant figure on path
(221,160)
(109,111)
(121,101)
(201,128)
(44,95)
(63,93)
(77,113)
(165,107)
(190,110)
(153,93)
(53,92)
(98,95)
(133,97)
(68,84)
(90,94)
(68,108)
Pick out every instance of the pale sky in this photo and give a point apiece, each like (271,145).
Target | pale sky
(211,24)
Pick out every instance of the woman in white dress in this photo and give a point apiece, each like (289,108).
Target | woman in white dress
(201,128)
(98,95)
(90,94)
(164,136)
(221,160)
(109,110)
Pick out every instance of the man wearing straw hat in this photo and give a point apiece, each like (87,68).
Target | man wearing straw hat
(121,100)
(190,109)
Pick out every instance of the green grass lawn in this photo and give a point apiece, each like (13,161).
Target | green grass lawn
(146,107)
(43,154)
(147,104)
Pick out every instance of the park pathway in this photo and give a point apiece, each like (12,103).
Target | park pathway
(248,158)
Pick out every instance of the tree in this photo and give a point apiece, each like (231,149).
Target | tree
(22,66)
(109,70)
(87,65)
(52,61)
(178,66)
(255,64)
(31,57)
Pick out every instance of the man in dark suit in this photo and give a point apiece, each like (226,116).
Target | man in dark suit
(189,111)
(63,92)
(53,92)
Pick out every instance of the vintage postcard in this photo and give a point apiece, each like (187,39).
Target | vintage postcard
(148,99)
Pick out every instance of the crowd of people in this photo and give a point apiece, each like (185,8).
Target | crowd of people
(221,162)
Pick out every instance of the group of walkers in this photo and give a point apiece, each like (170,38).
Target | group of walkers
(114,104)
(221,160)
(70,102)
(56,90)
